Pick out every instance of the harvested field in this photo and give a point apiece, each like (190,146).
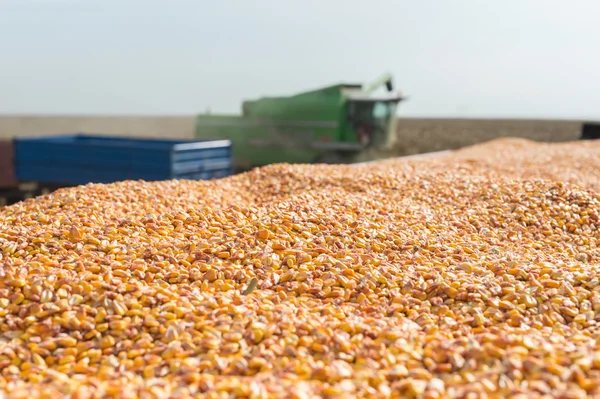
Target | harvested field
(169,127)
(416,136)
(473,275)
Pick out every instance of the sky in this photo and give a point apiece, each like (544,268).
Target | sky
(451,58)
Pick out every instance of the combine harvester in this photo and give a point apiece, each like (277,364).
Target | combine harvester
(344,123)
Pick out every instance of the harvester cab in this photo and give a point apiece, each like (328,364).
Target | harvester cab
(371,118)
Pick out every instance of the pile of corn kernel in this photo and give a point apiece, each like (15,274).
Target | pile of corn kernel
(475,275)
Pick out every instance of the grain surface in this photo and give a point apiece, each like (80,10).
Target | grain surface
(470,276)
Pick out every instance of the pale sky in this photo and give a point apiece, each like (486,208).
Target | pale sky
(453,58)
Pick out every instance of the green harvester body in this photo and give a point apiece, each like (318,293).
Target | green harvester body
(330,125)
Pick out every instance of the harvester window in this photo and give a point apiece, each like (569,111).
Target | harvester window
(369,120)
(381,111)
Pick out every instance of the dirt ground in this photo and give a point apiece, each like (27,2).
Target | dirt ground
(416,136)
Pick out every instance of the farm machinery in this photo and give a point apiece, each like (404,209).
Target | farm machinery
(335,124)
(343,123)
(31,166)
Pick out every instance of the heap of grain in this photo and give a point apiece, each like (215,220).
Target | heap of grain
(475,275)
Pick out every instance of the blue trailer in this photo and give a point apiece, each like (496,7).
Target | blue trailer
(75,159)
